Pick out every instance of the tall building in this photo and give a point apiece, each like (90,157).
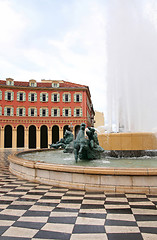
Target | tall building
(34,114)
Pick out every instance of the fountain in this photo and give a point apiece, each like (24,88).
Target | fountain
(132,57)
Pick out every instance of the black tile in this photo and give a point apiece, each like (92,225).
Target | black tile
(67,220)
(88,229)
(21,207)
(144,206)
(92,206)
(36,213)
(95,198)
(51,197)
(5,201)
(124,236)
(93,215)
(33,225)
(46,204)
(110,222)
(145,217)
(52,235)
(119,211)
(116,203)
(35,193)
(115,195)
(138,200)
(71,201)
(58,209)
(3,229)
(8,217)
(152,230)
(14,238)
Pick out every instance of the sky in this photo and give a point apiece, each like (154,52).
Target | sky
(57,40)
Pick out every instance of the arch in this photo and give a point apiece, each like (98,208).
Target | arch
(55,134)
(66,127)
(32,136)
(43,136)
(77,128)
(20,136)
(8,136)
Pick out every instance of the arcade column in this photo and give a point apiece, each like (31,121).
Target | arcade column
(2,137)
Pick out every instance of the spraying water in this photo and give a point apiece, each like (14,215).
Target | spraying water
(132,65)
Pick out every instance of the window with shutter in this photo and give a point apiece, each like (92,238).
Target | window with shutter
(17,111)
(0,95)
(12,111)
(58,112)
(0,111)
(12,96)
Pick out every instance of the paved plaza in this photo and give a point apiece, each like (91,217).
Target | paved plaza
(36,211)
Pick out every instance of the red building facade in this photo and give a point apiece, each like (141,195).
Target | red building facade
(35,114)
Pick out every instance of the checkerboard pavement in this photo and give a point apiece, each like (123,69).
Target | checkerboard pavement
(36,211)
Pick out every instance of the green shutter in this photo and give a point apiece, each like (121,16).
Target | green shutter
(75,97)
(12,96)
(52,112)
(6,95)
(17,111)
(24,112)
(29,97)
(35,97)
(5,111)
(0,95)
(29,112)
(63,111)
(47,112)
(47,97)
(58,112)
(52,97)
(63,97)
(18,96)
(69,97)
(35,112)
(69,115)
(58,97)
(0,111)
(80,112)
(24,96)
(12,111)
(75,112)
(40,112)
(41,97)
(80,97)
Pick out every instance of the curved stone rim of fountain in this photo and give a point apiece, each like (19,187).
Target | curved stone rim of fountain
(114,180)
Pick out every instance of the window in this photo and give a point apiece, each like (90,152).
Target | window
(43,97)
(9,96)
(55,84)
(0,95)
(55,97)
(0,111)
(44,112)
(8,111)
(10,82)
(32,83)
(66,112)
(32,112)
(78,112)
(32,97)
(66,97)
(20,111)
(21,96)
(55,112)
(77,97)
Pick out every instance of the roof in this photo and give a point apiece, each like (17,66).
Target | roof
(62,84)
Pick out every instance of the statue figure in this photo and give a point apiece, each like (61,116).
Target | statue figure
(63,142)
(87,148)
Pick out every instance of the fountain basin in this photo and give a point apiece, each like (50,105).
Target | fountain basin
(128,141)
(115,180)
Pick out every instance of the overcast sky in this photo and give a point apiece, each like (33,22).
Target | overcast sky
(55,39)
